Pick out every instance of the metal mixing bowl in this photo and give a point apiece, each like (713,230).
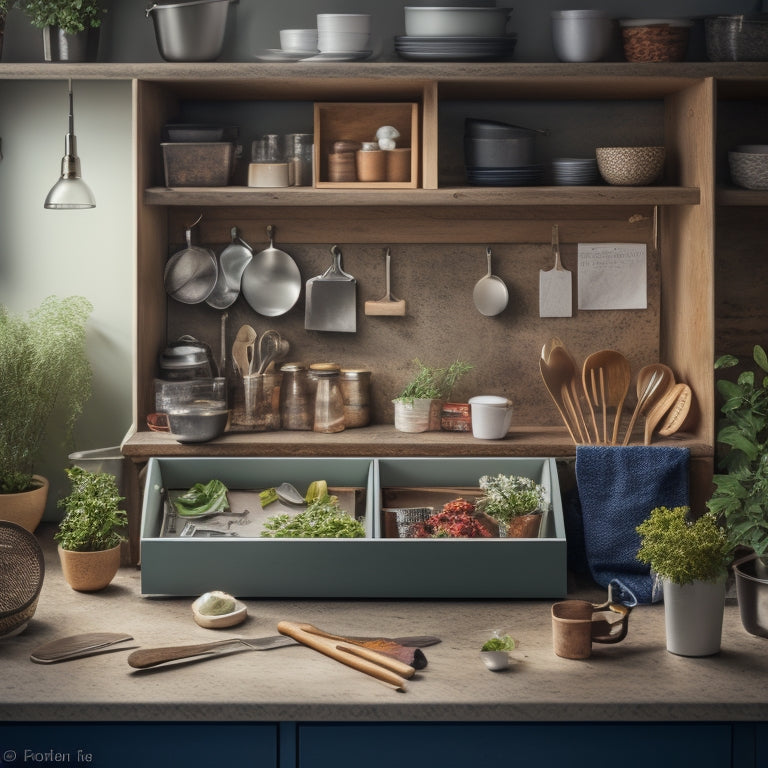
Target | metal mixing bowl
(190,31)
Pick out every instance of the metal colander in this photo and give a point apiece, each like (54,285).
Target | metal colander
(22,569)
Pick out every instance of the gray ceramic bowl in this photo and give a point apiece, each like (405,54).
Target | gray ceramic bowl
(749,169)
(198,422)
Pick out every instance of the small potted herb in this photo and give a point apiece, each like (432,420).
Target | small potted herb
(495,651)
(70,27)
(417,407)
(515,502)
(91,530)
(691,558)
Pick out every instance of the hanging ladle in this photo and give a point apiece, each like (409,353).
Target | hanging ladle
(490,293)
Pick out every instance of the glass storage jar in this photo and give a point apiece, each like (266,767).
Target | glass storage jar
(356,393)
(297,402)
(329,403)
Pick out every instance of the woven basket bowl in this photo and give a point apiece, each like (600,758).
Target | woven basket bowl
(656,42)
(749,169)
(630,166)
(23,568)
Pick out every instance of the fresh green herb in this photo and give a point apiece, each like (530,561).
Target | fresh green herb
(323,518)
(45,377)
(508,496)
(499,643)
(203,499)
(741,491)
(432,383)
(72,16)
(680,550)
(92,520)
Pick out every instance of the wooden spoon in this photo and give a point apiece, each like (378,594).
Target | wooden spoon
(606,377)
(242,349)
(573,389)
(679,410)
(652,381)
(555,382)
(659,410)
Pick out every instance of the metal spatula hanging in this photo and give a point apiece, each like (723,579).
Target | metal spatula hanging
(331,301)
(555,292)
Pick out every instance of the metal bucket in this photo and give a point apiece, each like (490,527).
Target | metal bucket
(190,31)
(752,594)
(108,460)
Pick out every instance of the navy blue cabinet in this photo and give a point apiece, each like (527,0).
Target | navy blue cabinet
(460,745)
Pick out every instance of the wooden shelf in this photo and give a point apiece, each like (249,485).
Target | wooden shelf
(739,196)
(377,440)
(447,196)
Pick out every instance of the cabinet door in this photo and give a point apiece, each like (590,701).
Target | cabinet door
(575,745)
(149,745)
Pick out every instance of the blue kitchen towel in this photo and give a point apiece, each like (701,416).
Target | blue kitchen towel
(618,488)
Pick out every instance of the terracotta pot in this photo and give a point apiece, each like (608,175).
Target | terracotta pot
(26,508)
(524,526)
(89,571)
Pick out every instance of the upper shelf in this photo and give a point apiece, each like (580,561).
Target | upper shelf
(464,196)
(315,81)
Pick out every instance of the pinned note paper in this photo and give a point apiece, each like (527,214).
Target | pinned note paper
(612,276)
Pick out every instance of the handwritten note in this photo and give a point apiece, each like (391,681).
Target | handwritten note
(612,276)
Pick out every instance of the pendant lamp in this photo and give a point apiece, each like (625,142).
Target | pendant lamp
(70,191)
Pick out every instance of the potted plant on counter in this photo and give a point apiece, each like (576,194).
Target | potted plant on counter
(515,503)
(417,407)
(90,533)
(740,498)
(70,27)
(44,371)
(691,559)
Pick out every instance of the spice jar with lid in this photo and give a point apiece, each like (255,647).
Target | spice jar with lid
(329,403)
(297,404)
(356,392)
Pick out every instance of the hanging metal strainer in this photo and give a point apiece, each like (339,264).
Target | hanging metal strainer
(22,569)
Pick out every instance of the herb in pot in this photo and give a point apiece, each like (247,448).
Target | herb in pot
(508,496)
(323,518)
(203,499)
(455,521)
(431,383)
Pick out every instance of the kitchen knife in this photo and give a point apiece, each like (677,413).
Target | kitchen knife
(78,646)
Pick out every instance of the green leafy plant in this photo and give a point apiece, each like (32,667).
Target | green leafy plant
(93,520)
(740,498)
(432,383)
(44,371)
(508,496)
(682,550)
(71,16)
(202,499)
(323,518)
(499,643)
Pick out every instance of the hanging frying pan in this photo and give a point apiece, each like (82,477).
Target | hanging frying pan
(190,274)
(271,283)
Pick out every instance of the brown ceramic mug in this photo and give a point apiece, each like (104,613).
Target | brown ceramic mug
(576,624)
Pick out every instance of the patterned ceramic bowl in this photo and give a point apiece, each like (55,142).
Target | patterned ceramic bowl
(630,166)
(749,169)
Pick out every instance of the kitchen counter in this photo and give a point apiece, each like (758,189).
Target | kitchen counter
(636,680)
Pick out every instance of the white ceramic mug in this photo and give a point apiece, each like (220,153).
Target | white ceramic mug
(491,416)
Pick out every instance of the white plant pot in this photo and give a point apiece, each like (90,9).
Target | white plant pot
(693,615)
(412,416)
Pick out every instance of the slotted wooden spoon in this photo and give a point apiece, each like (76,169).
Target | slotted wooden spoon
(606,376)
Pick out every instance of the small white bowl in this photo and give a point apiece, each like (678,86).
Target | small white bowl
(223,620)
(298,40)
(496,661)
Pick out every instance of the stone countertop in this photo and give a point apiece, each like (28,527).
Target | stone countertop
(636,680)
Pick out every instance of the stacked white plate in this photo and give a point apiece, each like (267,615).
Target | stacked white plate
(574,171)
(464,48)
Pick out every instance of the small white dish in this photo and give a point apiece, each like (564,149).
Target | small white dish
(278,54)
(340,56)
(223,620)
(496,661)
